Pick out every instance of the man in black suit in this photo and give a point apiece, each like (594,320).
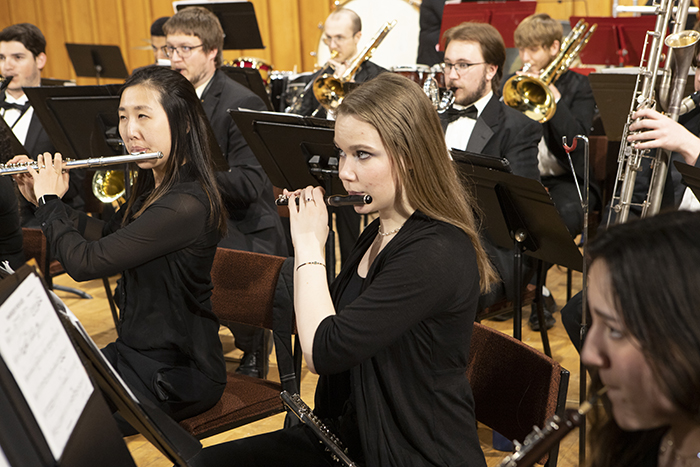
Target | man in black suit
(430,21)
(479,122)
(538,39)
(22,57)
(194,43)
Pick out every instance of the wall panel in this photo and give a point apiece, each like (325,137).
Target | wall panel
(289,27)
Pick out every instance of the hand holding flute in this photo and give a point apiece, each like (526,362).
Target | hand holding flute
(48,179)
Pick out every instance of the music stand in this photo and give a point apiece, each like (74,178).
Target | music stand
(295,153)
(250,78)
(162,431)
(237,20)
(613,95)
(504,16)
(99,61)
(617,41)
(53,426)
(519,214)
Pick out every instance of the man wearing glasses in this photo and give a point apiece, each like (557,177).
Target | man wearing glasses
(194,43)
(341,33)
(479,122)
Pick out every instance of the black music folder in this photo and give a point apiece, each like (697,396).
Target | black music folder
(53,380)
(691,176)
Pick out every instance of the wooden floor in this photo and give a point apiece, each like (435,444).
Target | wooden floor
(97,320)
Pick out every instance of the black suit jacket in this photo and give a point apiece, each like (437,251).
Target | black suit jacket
(253,223)
(430,22)
(366,72)
(504,132)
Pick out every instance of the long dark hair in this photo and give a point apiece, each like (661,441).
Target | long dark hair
(189,142)
(411,133)
(654,266)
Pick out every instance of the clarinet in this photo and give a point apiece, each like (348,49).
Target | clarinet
(306,415)
(539,441)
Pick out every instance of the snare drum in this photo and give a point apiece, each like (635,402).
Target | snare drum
(259,64)
(400,45)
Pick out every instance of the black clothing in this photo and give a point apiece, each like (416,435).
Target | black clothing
(10,228)
(253,223)
(395,358)
(169,341)
(430,23)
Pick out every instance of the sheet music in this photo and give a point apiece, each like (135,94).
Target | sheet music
(43,362)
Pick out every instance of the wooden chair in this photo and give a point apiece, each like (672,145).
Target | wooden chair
(515,387)
(244,292)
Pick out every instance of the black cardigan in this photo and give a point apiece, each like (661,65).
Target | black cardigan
(404,342)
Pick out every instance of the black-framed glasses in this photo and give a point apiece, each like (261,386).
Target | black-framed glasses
(183,51)
(460,67)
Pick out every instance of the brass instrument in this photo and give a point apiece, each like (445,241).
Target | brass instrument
(5,82)
(630,159)
(532,96)
(13,169)
(329,90)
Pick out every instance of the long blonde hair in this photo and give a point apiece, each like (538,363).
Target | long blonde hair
(411,133)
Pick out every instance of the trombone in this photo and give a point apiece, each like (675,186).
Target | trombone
(532,96)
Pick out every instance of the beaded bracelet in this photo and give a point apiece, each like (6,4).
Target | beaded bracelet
(312,262)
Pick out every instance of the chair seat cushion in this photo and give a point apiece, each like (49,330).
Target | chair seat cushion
(245,400)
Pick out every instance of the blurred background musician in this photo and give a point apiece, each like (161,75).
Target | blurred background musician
(23,56)
(341,33)
(479,122)
(194,41)
(158,42)
(538,39)
(163,242)
(430,21)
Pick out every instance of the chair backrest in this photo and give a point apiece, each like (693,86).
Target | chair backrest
(244,286)
(34,246)
(515,386)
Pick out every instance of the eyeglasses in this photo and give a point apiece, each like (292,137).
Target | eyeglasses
(337,39)
(183,51)
(460,67)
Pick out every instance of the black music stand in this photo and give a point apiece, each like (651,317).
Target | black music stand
(93,439)
(519,214)
(295,152)
(99,61)
(250,78)
(97,426)
(237,20)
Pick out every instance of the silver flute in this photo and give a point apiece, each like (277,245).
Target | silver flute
(334,200)
(102,161)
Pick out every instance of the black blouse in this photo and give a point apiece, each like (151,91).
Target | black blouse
(165,257)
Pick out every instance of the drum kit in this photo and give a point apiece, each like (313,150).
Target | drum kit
(286,87)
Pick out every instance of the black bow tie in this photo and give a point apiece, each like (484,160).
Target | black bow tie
(12,105)
(453,114)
